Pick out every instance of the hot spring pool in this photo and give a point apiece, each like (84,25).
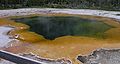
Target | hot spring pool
(52,27)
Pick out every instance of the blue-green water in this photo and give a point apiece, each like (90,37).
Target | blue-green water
(52,27)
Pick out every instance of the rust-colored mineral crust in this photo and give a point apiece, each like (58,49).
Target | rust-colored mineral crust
(47,61)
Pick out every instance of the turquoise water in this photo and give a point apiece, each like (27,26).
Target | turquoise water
(52,27)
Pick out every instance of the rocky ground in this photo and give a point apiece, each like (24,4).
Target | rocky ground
(102,56)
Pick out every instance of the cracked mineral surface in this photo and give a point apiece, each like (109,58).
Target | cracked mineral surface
(102,56)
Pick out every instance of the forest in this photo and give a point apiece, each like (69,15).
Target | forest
(72,4)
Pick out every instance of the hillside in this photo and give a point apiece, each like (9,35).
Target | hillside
(79,4)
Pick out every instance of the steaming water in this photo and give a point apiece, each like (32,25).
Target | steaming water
(52,27)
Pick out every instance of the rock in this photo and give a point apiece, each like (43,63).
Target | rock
(102,56)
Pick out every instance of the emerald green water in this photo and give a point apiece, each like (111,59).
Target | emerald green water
(52,27)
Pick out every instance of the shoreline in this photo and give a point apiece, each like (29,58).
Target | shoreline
(5,42)
(29,11)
